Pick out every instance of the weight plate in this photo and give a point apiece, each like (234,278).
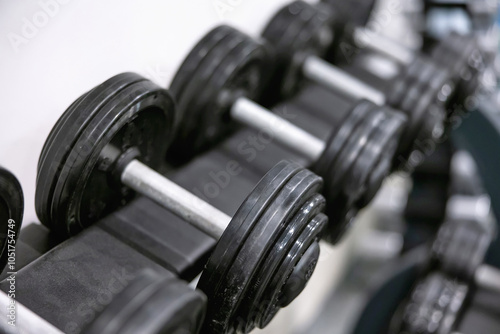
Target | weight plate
(434,305)
(341,204)
(285,286)
(132,114)
(152,304)
(340,135)
(345,162)
(11,213)
(460,248)
(297,31)
(66,129)
(462,55)
(374,162)
(223,66)
(262,296)
(245,245)
(423,103)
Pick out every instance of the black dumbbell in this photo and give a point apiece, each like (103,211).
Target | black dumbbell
(301,34)
(433,306)
(108,141)
(460,54)
(459,251)
(11,217)
(152,304)
(216,84)
(464,58)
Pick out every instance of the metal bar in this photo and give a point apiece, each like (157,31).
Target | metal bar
(332,77)
(181,202)
(257,117)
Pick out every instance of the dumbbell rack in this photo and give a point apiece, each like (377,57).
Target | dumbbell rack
(144,235)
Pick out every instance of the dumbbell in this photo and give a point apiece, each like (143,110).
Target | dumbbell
(457,255)
(301,34)
(460,54)
(11,217)
(459,251)
(106,144)
(463,56)
(152,304)
(433,306)
(215,87)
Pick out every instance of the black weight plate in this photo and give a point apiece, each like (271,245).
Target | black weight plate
(257,250)
(65,131)
(281,249)
(422,105)
(429,113)
(242,224)
(296,31)
(376,160)
(223,66)
(463,56)
(460,248)
(346,160)
(199,66)
(138,115)
(434,305)
(340,204)
(152,304)
(378,153)
(272,296)
(192,63)
(11,213)
(246,242)
(340,135)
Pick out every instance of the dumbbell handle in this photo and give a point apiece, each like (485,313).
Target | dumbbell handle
(320,71)
(487,277)
(365,38)
(181,202)
(259,118)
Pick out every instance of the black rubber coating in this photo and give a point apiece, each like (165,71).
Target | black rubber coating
(297,31)
(74,187)
(364,142)
(422,92)
(462,55)
(435,295)
(11,214)
(224,65)
(245,262)
(460,248)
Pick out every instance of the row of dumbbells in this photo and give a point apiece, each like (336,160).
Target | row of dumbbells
(440,287)
(109,142)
